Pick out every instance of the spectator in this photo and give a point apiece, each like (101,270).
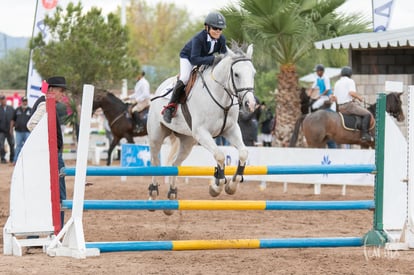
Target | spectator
(266,122)
(222,141)
(20,119)
(56,85)
(6,129)
(248,122)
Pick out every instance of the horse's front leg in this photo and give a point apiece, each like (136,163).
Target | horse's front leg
(110,149)
(216,187)
(236,140)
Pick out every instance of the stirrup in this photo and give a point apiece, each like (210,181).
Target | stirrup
(366,137)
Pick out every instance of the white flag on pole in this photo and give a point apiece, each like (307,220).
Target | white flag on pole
(34,81)
(381,13)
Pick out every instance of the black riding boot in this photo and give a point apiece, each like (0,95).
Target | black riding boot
(169,111)
(138,123)
(365,136)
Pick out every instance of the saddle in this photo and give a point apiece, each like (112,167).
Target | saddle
(191,81)
(353,122)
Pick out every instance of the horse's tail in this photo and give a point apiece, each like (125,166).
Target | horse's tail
(295,134)
(175,143)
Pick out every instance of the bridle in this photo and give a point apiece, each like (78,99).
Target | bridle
(233,93)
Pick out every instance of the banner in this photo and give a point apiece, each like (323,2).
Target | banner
(34,80)
(381,13)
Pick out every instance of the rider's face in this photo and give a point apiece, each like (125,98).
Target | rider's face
(215,32)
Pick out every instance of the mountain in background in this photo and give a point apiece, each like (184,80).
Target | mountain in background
(8,43)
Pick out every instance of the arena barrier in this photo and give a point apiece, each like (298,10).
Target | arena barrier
(70,240)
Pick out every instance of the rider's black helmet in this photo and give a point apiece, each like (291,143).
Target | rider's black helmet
(319,67)
(346,71)
(216,20)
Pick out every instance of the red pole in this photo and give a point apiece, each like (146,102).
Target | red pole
(53,159)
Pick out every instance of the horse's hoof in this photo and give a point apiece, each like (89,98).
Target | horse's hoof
(231,187)
(150,199)
(216,187)
(168,212)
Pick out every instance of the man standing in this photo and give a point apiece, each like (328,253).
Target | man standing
(141,99)
(56,86)
(20,119)
(6,129)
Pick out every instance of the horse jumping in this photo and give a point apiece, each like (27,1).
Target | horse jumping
(210,109)
(323,125)
(120,121)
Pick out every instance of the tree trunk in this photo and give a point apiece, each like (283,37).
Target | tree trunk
(287,105)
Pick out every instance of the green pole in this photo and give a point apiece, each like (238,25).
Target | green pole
(377,236)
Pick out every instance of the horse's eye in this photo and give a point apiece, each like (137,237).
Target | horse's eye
(236,75)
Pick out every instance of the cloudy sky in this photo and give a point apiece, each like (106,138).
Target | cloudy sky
(17,16)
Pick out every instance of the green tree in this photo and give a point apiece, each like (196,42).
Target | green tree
(284,32)
(13,69)
(85,48)
(158,33)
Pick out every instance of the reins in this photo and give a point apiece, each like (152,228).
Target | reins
(232,96)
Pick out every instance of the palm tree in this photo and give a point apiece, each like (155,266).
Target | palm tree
(284,31)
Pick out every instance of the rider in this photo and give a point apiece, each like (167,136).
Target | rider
(345,93)
(198,51)
(140,99)
(324,84)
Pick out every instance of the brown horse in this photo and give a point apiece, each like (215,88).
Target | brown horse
(324,125)
(120,121)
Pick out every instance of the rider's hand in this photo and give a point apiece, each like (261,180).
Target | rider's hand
(217,59)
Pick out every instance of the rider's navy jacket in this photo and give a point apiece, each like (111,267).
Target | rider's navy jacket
(196,50)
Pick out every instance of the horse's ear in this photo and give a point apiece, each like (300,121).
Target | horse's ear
(230,52)
(249,52)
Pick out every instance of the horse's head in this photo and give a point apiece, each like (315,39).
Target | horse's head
(240,79)
(394,106)
(98,99)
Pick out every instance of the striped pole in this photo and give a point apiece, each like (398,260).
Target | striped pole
(230,170)
(226,244)
(221,205)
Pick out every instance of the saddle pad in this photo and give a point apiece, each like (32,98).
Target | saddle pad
(350,122)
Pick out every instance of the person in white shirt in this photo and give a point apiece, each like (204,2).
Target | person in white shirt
(345,94)
(140,99)
(323,84)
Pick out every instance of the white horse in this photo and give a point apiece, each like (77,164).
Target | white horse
(213,107)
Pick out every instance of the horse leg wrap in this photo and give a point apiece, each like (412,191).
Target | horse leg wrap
(171,192)
(239,172)
(218,173)
(152,188)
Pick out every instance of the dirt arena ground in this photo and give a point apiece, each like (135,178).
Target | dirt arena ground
(144,225)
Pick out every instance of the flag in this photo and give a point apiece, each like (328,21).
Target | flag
(34,80)
(381,13)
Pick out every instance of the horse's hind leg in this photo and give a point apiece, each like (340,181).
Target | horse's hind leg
(180,153)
